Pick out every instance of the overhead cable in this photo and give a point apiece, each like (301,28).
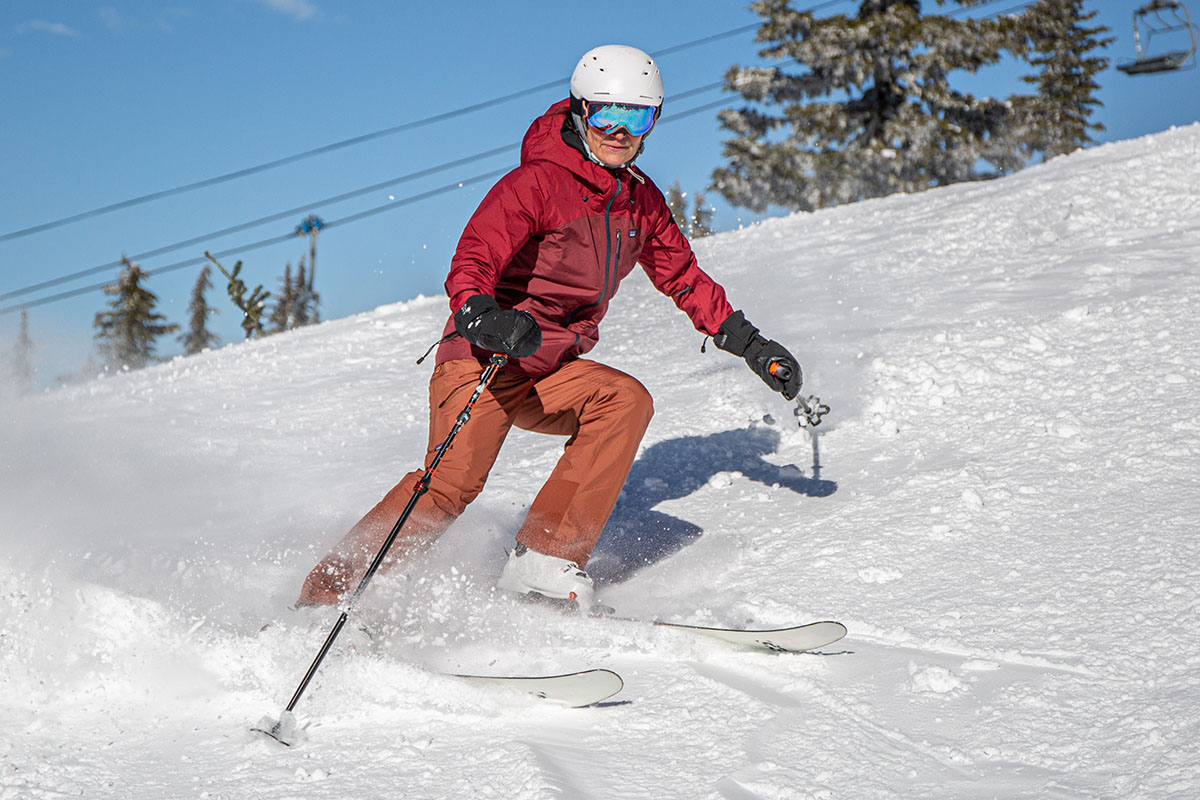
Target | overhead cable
(366,137)
(191,262)
(311,206)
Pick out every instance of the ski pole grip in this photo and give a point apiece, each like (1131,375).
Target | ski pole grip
(780,370)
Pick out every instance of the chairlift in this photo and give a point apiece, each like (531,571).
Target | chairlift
(1167,19)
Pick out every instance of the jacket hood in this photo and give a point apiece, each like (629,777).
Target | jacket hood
(544,142)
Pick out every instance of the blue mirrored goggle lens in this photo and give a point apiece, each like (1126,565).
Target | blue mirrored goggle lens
(638,120)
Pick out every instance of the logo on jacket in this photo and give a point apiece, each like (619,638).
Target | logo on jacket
(633,232)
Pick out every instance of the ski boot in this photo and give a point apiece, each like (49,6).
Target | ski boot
(535,575)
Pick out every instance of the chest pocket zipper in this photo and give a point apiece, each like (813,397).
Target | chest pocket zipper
(616,266)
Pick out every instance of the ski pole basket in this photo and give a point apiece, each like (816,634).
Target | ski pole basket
(1170,22)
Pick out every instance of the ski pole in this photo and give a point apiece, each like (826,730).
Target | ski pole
(284,729)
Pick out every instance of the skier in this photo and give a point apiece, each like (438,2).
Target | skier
(532,277)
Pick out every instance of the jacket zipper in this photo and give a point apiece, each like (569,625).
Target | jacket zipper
(609,267)
(616,260)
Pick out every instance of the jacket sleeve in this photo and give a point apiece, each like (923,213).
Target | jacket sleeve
(669,261)
(505,220)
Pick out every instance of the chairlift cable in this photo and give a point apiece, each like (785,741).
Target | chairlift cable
(289,236)
(252,170)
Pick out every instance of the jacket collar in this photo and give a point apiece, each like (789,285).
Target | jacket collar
(549,138)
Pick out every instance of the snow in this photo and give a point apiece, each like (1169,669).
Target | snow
(1001,507)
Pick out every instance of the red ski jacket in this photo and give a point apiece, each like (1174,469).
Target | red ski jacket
(556,236)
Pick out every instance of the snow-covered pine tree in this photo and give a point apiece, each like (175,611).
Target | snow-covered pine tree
(126,334)
(283,314)
(1058,116)
(198,337)
(872,112)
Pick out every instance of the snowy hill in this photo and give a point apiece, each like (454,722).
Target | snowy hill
(1002,509)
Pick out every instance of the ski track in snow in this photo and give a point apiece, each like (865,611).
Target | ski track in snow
(1001,507)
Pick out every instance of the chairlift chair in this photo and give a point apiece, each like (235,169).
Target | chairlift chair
(1167,19)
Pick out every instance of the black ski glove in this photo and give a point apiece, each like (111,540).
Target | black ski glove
(766,357)
(484,324)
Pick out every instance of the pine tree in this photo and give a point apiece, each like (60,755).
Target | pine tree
(23,371)
(314,300)
(126,335)
(696,224)
(872,114)
(701,221)
(198,337)
(283,315)
(1058,117)
(308,301)
(302,304)
(252,307)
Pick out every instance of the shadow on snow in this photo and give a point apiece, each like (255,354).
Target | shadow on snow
(637,536)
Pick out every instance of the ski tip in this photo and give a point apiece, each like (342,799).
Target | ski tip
(609,684)
(611,676)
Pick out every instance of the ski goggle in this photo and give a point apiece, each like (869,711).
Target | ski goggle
(606,118)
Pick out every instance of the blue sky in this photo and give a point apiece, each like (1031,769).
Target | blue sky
(103,102)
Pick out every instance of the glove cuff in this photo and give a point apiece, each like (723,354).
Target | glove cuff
(735,334)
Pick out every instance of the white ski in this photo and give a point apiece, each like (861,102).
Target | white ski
(795,639)
(575,689)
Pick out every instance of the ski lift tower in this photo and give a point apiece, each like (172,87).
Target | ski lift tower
(1170,21)
(310,226)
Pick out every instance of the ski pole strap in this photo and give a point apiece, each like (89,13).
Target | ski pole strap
(442,340)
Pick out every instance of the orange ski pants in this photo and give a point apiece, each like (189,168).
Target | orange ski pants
(604,412)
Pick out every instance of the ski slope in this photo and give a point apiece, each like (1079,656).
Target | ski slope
(1002,507)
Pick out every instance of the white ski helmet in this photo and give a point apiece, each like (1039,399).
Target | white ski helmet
(617,73)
